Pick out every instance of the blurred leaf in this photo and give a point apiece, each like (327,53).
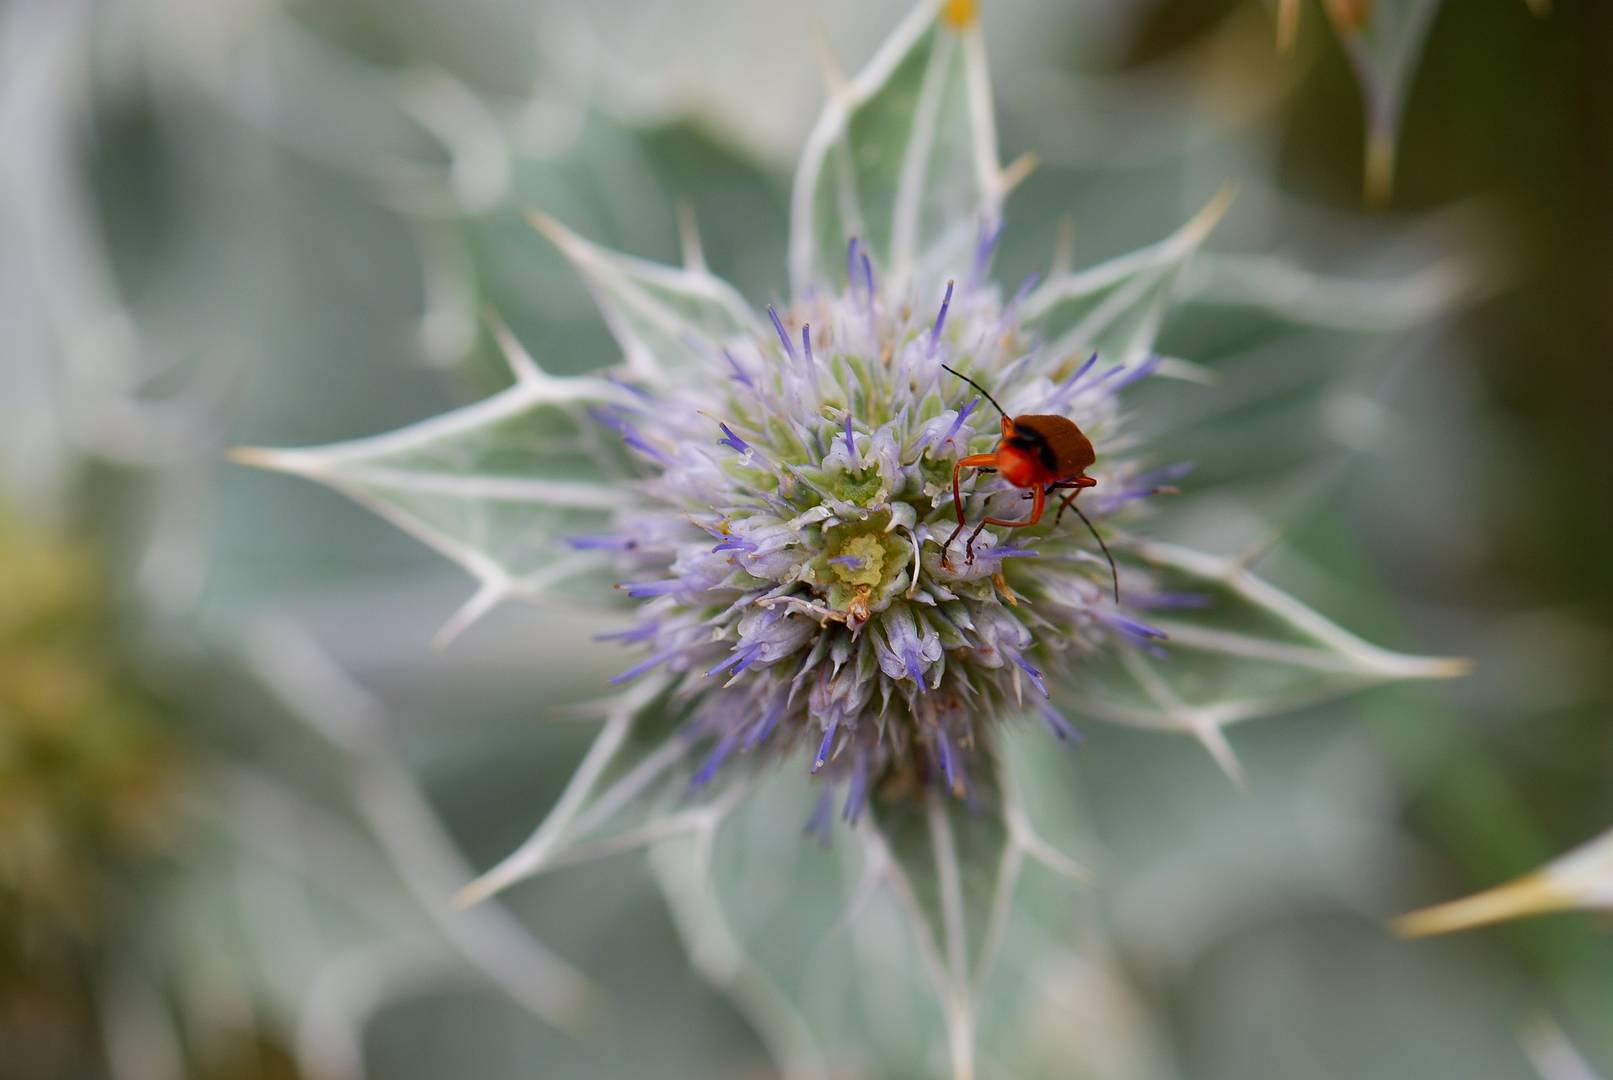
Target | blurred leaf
(1116,308)
(1235,648)
(949,853)
(1384,41)
(1285,290)
(343,110)
(843,957)
(488,43)
(955,868)
(666,319)
(903,158)
(490,486)
(618,184)
(808,940)
(631,791)
(770,996)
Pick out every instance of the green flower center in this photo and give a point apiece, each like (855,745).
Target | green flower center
(869,566)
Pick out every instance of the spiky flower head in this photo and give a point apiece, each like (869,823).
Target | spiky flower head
(788,535)
(771,489)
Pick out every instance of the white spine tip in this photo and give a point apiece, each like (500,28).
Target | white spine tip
(474,893)
(264,457)
(556,233)
(256,456)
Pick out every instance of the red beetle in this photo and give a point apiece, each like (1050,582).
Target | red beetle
(1040,453)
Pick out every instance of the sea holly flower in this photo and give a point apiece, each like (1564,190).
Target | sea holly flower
(772,495)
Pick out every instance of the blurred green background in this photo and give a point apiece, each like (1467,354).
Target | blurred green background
(277,224)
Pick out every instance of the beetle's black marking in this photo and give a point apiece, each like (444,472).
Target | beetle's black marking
(1033,438)
(1070,451)
(1031,441)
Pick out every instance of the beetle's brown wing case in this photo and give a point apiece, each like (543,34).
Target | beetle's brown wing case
(1072,451)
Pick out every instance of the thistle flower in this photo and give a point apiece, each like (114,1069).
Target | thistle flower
(787,543)
(772,494)
(86,769)
(87,794)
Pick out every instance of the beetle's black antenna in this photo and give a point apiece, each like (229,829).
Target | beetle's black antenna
(977,386)
(1114,575)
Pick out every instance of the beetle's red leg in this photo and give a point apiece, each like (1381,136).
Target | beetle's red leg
(1038,503)
(973,461)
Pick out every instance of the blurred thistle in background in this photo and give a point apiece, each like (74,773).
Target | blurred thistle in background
(86,794)
(278,224)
